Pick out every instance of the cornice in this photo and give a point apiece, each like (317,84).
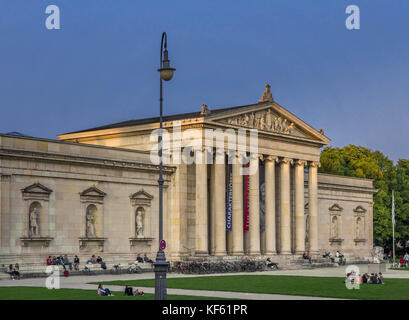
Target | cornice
(104,163)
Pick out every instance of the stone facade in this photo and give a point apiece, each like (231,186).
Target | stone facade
(96,191)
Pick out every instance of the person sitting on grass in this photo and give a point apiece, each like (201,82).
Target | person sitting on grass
(380,278)
(103,292)
(401,262)
(139,293)
(365,278)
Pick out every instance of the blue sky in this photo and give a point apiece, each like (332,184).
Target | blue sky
(100,67)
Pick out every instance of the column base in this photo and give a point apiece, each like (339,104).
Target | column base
(300,252)
(237,253)
(270,253)
(254,253)
(220,253)
(201,253)
(285,252)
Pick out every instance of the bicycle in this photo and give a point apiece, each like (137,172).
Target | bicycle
(133,268)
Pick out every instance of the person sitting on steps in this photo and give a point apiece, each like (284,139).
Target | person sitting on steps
(307,256)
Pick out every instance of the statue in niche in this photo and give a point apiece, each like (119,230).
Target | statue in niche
(334,228)
(33,217)
(90,232)
(358,229)
(139,223)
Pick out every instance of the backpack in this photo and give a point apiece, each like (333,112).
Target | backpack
(128,291)
(66,273)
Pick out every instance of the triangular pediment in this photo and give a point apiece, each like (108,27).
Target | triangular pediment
(37,188)
(335,207)
(93,192)
(269,118)
(360,209)
(141,194)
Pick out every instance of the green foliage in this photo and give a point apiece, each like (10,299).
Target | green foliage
(357,161)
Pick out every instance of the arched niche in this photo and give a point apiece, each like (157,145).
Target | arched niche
(92,219)
(140,216)
(35,219)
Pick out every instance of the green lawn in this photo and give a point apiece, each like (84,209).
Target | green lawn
(292,285)
(400,269)
(39,293)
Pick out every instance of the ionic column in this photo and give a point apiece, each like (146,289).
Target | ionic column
(285,208)
(220,203)
(270,205)
(201,204)
(254,206)
(237,207)
(313,206)
(299,207)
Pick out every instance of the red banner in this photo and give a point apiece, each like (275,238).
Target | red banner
(246,200)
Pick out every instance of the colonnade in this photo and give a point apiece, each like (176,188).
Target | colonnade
(281,209)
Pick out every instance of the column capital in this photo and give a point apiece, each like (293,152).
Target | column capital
(285,160)
(300,162)
(314,164)
(271,158)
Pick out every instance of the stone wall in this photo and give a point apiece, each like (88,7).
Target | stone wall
(64,180)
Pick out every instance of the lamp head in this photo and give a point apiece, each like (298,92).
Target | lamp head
(166,72)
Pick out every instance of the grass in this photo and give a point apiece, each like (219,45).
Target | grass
(400,269)
(40,293)
(393,289)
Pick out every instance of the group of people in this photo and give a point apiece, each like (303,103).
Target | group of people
(95,260)
(63,261)
(374,278)
(14,271)
(338,255)
(128,291)
(144,259)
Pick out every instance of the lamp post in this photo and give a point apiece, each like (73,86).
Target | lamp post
(161,265)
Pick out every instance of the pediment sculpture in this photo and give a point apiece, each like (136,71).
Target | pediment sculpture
(264,120)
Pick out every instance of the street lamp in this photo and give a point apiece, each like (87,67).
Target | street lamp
(161,265)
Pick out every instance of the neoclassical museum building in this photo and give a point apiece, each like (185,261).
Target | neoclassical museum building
(96,191)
